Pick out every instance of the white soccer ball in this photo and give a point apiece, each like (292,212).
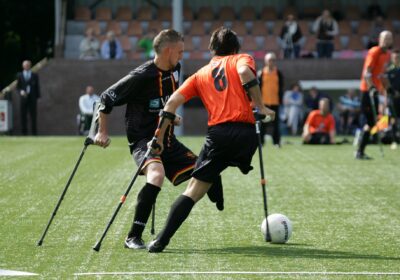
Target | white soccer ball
(280,228)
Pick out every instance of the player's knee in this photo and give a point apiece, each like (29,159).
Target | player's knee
(196,189)
(156,175)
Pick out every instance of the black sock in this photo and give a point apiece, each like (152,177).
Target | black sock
(145,200)
(216,193)
(177,215)
(364,142)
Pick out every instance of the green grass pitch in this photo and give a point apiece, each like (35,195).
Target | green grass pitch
(345,215)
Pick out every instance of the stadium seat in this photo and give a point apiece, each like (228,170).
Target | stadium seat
(310,44)
(226,13)
(248,43)
(125,43)
(164,14)
(352,12)
(268,13)
(216,24)
(189,46)
(271,44)
(134,29)
(239,27)
(305,27)
(259,28)
(204,42)
(114,25)
(337,44)
(155,25)
(83,13)
(355,43)
(124,13)
(364,27)
(345,28)
(196,55)
(103,13)
(187,13)
(95,25)
(248,13)
(197,28)
(144,13)
(311,12)
(276,30)
(205,13)
(393,12)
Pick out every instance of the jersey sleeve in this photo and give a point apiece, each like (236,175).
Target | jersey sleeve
(188,89)
(119,93)
(371,58)
(247,60)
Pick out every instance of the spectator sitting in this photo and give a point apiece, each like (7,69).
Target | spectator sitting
(320,125)
(290,38)
(146,43)
(349,108)
(326,28)
(89,46)
(86,103)
(111,47)
(293,101)
(377,26)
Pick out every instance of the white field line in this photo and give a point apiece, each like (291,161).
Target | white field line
(4,272)
(241,273)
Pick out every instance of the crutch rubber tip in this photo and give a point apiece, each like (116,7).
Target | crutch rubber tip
(40,242)
(97,247)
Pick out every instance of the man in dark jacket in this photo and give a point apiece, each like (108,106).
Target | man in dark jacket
(290,38)
(28,88)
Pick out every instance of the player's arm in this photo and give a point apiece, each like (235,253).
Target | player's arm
(250,83)
(368,77)
(102,139)
(116,95)
(167,117)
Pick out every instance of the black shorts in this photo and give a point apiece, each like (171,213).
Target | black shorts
(177,159)
(319,138)
(227,144)
(366,107)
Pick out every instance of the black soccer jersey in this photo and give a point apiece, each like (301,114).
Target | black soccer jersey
(145,91)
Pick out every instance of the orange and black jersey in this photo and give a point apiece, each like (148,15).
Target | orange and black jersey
(145,91)
(219,87)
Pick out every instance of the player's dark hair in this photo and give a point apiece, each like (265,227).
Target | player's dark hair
(165,37)
(224,41)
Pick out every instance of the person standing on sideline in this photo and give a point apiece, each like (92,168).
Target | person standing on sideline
(86,103)
(225,87)
(326,28)
(271,83)
(29,91)
(371,86)
(144,91)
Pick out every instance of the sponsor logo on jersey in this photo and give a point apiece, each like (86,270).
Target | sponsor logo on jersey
(154,103)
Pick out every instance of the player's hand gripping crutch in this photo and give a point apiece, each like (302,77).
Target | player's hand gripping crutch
(88,141)
(264,118)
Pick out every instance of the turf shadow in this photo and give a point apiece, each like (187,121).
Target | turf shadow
(286,251)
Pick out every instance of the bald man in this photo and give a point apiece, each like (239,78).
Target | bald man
(29,91)
(271,84)
(372,85)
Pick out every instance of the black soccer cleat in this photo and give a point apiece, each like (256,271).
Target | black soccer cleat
(156,246)
(362,156)
(134,243)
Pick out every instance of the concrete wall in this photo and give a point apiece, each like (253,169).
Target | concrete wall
(63,81)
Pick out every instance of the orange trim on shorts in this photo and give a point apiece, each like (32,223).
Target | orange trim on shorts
(180,172)
(150,161)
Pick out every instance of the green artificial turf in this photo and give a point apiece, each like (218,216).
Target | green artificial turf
(345,214)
